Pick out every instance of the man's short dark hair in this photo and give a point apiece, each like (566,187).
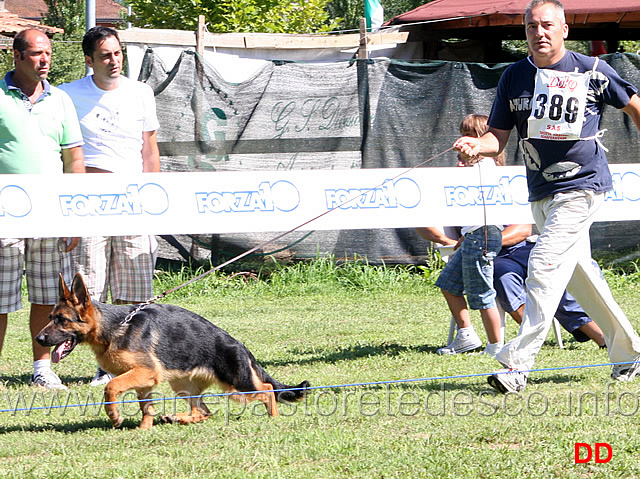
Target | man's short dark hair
(538,3)
(95,36)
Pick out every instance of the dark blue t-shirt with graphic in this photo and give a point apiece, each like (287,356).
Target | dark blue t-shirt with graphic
(566,165)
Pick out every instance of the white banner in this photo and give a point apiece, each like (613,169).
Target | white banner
(234,202)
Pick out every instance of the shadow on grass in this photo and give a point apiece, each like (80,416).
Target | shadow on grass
(66,427)
(351,353)
(25,380)
(45,407)
(474,383)
(562,377)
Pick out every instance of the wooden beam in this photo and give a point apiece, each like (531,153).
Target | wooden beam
(200,35)
(256,40)
(157,37)
(283,41)
(388,38)
(363,50)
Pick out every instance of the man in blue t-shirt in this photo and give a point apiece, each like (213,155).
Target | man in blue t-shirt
(554,99)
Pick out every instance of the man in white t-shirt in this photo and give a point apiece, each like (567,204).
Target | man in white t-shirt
(118,120)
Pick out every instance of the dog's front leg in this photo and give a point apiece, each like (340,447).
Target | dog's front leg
(137,378)
(146,406)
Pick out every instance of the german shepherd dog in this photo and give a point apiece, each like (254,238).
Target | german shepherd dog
(159,342)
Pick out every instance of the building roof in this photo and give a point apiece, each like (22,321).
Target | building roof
(106,10)
(589,15)
(10,24)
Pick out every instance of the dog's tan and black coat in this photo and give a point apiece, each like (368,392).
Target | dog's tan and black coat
(160,342)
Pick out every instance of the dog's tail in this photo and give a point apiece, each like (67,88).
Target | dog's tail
(284,393)
(291,393)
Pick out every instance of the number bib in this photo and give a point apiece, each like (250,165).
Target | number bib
(559,102)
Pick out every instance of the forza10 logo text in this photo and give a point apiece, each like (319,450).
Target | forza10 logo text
(280,195)
(149,199)
(403,192)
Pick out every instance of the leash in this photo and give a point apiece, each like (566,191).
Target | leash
(135,311)
(472,160)
(141,306)
(269,241)
(484,212)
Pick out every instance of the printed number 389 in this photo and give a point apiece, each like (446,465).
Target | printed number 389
(556,108)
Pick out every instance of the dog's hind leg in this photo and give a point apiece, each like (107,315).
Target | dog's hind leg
(192,392)
(268,397)
(137,378)
(253,387)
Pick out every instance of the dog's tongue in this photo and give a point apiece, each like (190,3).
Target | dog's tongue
(59,350)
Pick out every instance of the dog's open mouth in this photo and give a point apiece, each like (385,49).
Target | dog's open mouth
(62,350)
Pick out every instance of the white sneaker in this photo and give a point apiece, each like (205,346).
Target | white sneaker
(508,381)
(48,380)
(492,349)
(466,340)
(101,378)
(626,372)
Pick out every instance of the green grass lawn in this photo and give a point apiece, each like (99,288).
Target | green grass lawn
(335,327)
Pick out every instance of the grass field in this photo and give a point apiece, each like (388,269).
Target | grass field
(336,327)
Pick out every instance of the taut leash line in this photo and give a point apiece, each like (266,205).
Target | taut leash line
(282,235)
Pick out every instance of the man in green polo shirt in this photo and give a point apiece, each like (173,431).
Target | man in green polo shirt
(39,134)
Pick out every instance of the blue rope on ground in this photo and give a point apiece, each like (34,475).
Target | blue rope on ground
(311,388)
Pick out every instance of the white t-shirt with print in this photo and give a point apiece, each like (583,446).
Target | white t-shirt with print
(113,121)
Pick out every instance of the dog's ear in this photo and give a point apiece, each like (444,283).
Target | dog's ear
(63,291)
(80,290)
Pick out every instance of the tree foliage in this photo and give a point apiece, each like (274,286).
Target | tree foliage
(66,14)
(631,46)
(226,16)
(6,62)
(67,60)
(351,11)
(393,8)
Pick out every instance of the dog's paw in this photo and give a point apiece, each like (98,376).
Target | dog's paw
(169,419)
(147,423)
(117,421)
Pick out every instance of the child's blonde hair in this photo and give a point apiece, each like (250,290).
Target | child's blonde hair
(476,126)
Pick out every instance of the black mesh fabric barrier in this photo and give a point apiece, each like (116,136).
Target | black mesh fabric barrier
(358,114)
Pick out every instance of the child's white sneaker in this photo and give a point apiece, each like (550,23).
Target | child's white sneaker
(466,340)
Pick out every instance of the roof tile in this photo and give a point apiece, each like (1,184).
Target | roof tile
(35,9)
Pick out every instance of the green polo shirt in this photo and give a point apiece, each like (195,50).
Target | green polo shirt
(33,136)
